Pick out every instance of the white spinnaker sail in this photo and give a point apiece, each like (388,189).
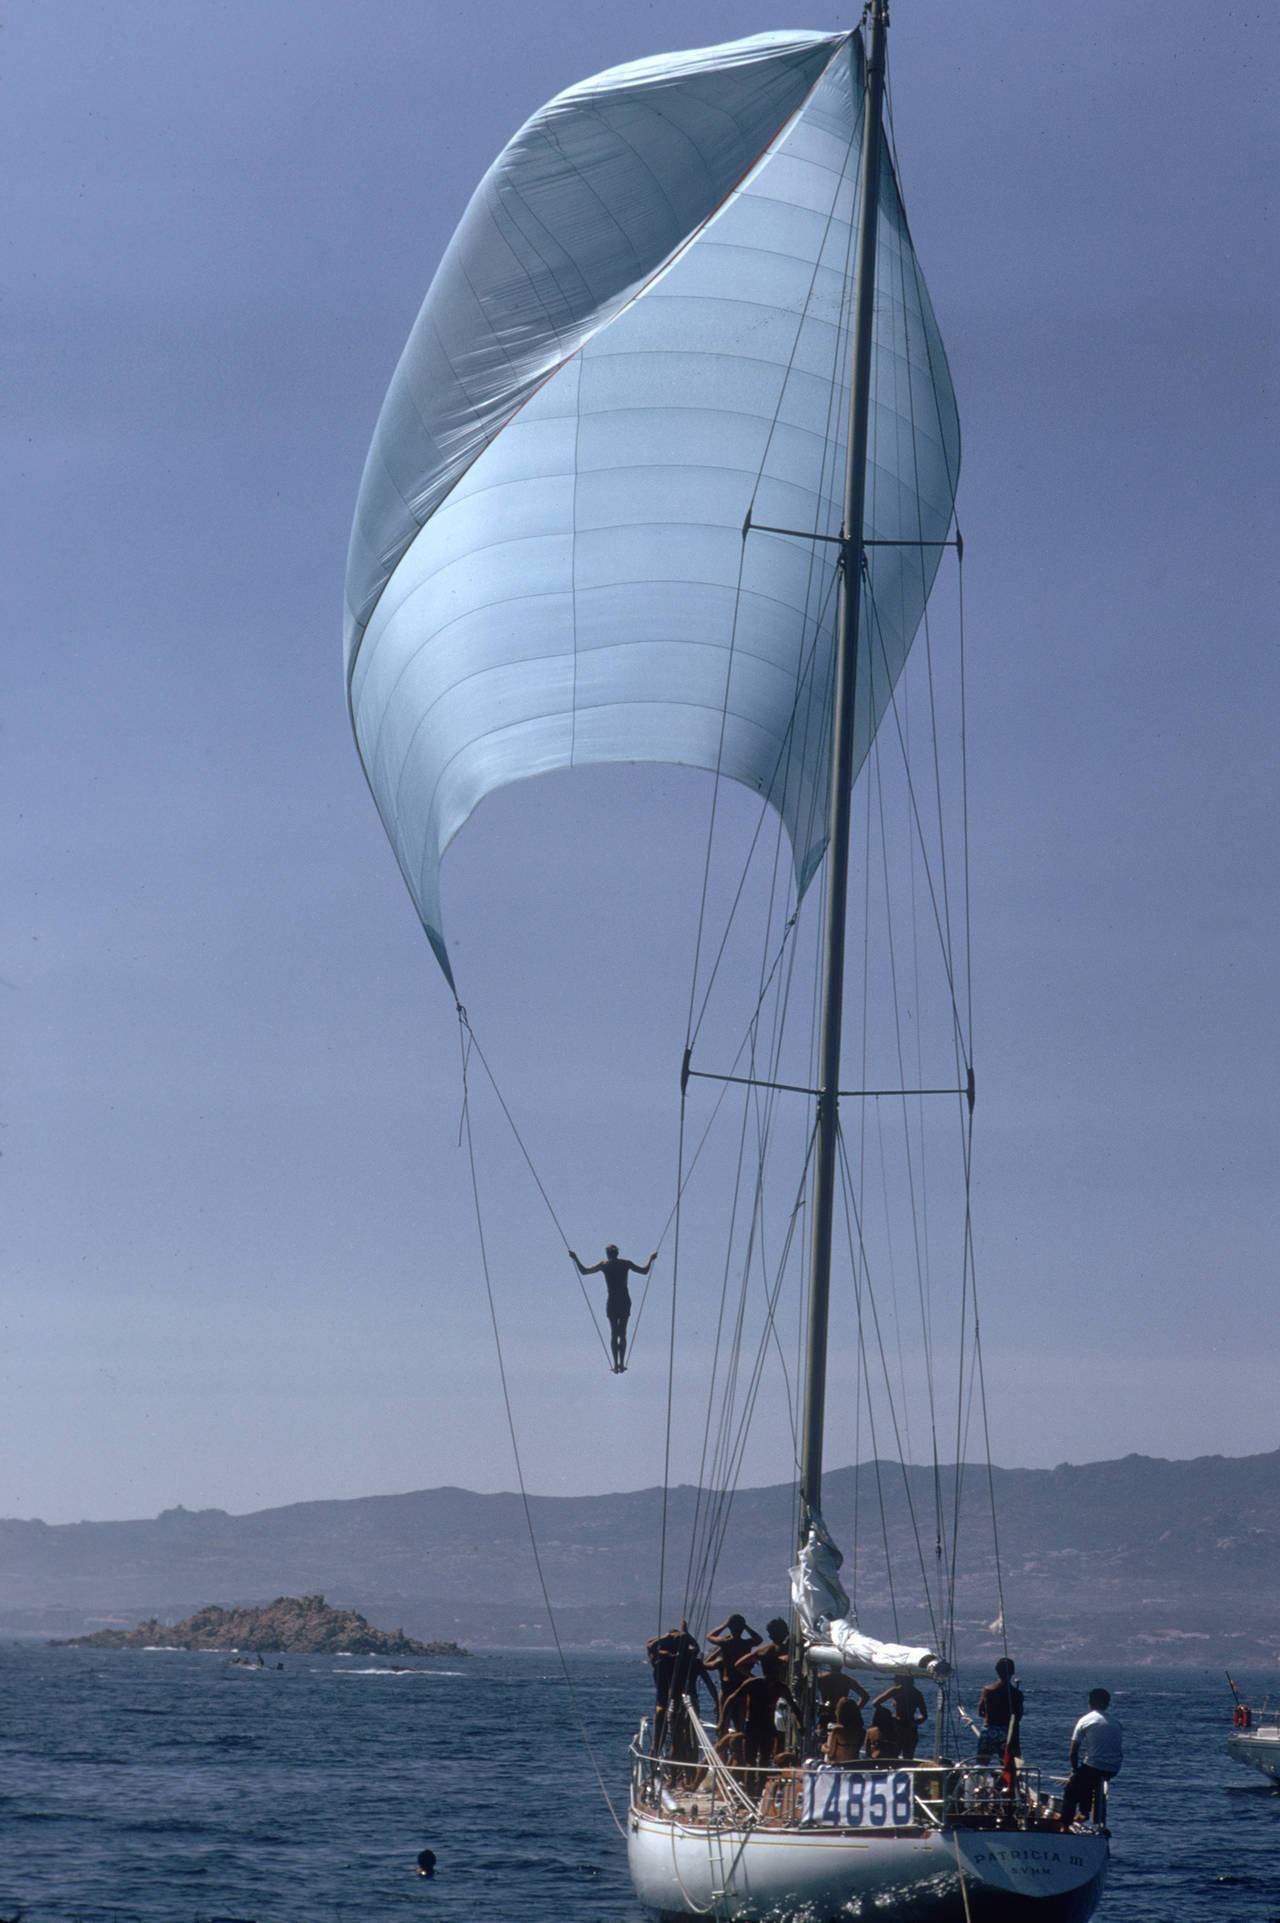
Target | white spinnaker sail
(639,332)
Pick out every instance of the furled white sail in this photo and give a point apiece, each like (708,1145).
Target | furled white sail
(639,335)
(832,1637)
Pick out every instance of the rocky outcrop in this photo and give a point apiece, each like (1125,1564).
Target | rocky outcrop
(291,1625)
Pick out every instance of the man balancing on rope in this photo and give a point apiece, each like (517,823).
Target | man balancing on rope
(615,1269)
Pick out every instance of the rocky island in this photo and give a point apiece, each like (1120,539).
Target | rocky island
(289,1626)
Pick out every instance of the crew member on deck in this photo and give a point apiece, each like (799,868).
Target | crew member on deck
(846,1734)
(999,1705)
(735,1645)
(908,1710)
(615,1269)
(1097,1751)
(754,1703)
(678,1668)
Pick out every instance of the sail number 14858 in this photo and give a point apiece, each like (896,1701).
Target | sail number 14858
(854,1799)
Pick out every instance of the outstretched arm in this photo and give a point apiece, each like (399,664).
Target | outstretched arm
(593,1270)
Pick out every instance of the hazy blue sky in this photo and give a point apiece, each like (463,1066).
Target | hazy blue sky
(239,1261)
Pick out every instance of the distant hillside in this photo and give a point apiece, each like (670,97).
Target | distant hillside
(1138,1560)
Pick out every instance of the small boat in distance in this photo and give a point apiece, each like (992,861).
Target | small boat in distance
(1255,1740)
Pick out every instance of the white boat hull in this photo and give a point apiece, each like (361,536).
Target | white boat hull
(1259,1748)
(750,1875)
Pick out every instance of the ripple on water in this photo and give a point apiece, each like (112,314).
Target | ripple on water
(311,1801)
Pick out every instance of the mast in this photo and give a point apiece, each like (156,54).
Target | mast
(840,811)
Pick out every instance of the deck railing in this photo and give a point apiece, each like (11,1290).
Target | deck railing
(704,1790)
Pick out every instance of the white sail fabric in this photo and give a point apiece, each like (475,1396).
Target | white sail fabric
(832,1636)
(638,334)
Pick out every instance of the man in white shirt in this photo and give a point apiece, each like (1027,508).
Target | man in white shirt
(1097,1751)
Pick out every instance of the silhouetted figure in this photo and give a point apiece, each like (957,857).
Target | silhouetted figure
(907,1709)
(426,1862)
(735,1644)
(615,1269)
(999,1709)
(1097,1751)
(753,1705)
(678,1668)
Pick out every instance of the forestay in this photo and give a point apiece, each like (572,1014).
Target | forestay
(638,334)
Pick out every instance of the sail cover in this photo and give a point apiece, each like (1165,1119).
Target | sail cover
(832,1638)
(637,337)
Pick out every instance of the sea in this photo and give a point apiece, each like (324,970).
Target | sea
(163,1787)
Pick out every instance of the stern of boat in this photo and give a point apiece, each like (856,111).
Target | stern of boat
(926,1841)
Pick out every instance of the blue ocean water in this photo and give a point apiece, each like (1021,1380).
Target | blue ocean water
(173,1788)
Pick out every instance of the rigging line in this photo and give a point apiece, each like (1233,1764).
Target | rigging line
(960,1413)
(986,1432)
(915,812)
(831,449)
(865,1380)
(852,143)
(735,1463)
(968,1283)
(926,1330)
(786,1374)
(922,302)
(727,1451)
(892,1267)
(715,794)
(785,750)
(860,1262)
(924,593)
(933,725)
(710,1124)
(786,949)
(515,1445)
(764,1111)
(853,1220)
(723,1451)
(783,948)
(875,794)
(966,1047)
(742,555)
(470,1044)
(715,1358)
(902,1080)
(765,1107)
(671,1365)
(964,799)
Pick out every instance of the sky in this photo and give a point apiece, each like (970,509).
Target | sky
(239,1253)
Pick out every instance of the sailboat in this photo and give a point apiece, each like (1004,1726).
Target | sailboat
(665,474)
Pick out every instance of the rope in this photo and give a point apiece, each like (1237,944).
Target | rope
(853,1220)
(915,812)
(511,1429)
(730,1443)
(470,1044)
(964,1887)
(671,1370)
